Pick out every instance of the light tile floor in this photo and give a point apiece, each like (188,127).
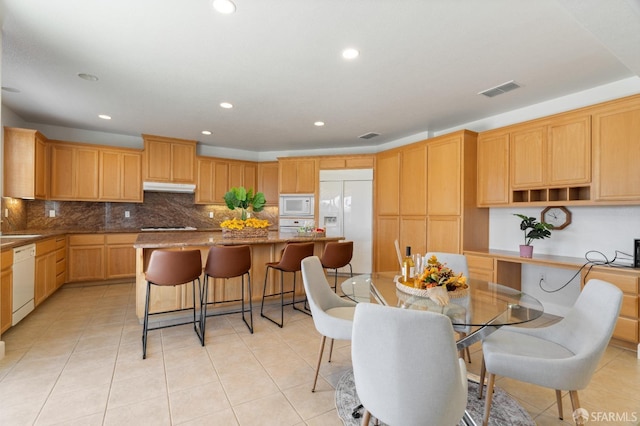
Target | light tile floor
(77,360)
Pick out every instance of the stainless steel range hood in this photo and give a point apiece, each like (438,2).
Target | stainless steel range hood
(169,187)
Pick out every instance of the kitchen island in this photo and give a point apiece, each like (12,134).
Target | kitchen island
(263,250)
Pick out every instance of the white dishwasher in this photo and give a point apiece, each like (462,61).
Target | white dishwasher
(24,273)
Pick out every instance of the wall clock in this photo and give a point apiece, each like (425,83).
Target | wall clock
(559,217)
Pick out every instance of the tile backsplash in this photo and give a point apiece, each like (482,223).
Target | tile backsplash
(158,209)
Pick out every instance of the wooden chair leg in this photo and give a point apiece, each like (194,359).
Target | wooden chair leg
(483,372)
(330,349)
(366,418)
(559,402)
(575,402)
(489,399)
(315,379)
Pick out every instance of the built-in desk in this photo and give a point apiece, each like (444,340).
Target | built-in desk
(504,267)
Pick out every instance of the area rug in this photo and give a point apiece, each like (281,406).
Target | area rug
(505,411)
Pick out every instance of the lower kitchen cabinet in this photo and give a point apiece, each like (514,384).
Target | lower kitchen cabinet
(96,257)
(6,289)
(45,274)
(61,260)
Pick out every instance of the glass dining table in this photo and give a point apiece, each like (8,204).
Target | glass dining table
(482,310)
(486,307)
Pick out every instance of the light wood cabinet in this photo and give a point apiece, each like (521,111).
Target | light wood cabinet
(268,181)
(480,267)
(216,175)
(413,180)
(386,232)
(627,327)
(61,260)
(527,153)
(86,257)
(444,175)
(568,156)
(169,159)
(616,151)
(493,169)
(74,172)
(26,164)
(45,270)
(6,290)
(413,233)
(346,162)
(121,256)
(387,183)
(120,175)
(97,257)
(444,234)
(297,175)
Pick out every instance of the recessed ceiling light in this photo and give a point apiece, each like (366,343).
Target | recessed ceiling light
(88,77)
(350,53)
(10,89)
(226,105)
(319,123)
(206,132)
(224,6)
(105,116)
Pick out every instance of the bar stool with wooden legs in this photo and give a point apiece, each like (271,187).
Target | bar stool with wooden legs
(172,268)
(292,256)
(228,262)
(335,256)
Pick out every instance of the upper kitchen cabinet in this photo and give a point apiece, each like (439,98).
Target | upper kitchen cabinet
(74,171)
(268,181)
(169,159)
(297,175)
(387,182)
(216,175)
(120,175)
(413,179)
(616,151)
(333,162)
(26,164)
(493,169)
(551,153)
(444,175)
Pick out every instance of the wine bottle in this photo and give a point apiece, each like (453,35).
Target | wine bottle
(408,267)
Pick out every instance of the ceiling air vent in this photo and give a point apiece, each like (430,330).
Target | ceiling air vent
(498,90)
(369,135)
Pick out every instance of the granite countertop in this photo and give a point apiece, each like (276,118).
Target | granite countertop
(186,239)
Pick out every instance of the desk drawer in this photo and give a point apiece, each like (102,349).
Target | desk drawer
(479,262)
(628,284)
(626,329)
(629,306)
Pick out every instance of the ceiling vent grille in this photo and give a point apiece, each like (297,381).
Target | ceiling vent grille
(369,135)
(498,90)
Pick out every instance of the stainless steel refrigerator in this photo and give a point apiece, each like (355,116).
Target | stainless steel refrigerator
(346,209)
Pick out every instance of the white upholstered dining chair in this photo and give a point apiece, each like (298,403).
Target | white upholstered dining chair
(332,315)
(406,367)
(562,356)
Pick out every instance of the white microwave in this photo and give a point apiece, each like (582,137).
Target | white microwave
(297,205)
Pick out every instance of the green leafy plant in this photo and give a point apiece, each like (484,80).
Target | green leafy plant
(533,230)
(239,197)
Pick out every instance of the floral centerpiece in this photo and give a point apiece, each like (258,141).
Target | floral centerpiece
(437,282)
(248,228)
(439,274)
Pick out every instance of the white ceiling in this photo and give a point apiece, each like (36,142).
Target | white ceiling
(165,65)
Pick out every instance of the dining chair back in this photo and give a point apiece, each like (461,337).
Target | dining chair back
(332,315)
(406,367)
(562,356)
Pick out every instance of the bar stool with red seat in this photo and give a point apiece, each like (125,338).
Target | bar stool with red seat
(228,262)
(335,256)
(172,268)
(290,261)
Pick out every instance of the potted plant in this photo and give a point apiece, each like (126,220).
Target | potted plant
(533,230)
(239,197)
